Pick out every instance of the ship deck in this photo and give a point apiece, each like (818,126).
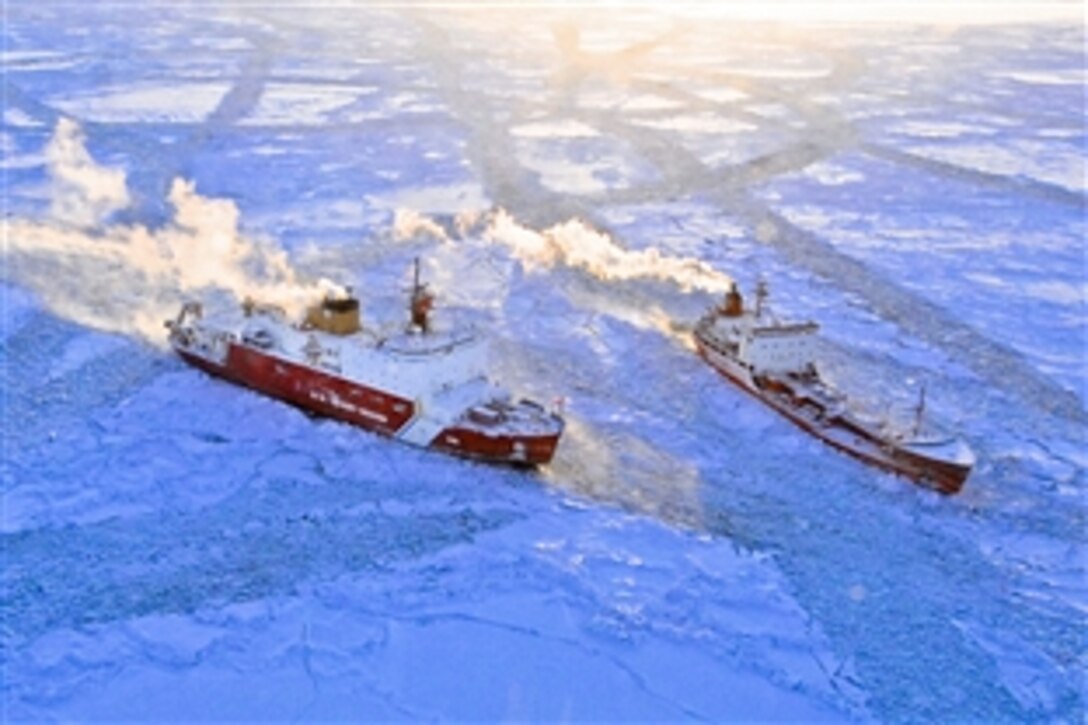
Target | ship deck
(409,364)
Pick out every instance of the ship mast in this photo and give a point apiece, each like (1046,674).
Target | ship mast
(420,303)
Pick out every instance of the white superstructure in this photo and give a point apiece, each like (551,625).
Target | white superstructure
(424,386)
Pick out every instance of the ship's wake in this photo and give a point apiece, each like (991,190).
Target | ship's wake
(128,277)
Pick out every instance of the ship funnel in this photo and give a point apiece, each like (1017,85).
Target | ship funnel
(733,305)
(338,316)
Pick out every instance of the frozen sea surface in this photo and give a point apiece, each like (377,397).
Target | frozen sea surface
(176,548)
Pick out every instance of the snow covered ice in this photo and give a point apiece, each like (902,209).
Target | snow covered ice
(581,183)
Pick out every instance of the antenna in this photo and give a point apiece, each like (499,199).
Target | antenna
(920,410)
(761,295)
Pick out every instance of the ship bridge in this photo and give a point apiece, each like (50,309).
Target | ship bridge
(780,348)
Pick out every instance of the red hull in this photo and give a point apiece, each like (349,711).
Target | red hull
(372,409)
(946,478)
(519,450)
(318,392)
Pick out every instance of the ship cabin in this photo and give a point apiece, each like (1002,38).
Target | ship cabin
(780,348)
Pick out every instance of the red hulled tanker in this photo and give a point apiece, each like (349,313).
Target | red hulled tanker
(421,386)
(772,360)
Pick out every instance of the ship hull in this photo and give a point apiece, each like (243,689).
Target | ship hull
(372,409)
(515,450)
(856,441)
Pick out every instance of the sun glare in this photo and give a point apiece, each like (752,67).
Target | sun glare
(972,12)
(890,12)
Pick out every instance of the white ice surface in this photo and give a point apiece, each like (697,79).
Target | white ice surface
(448,199)
(1064,167)
(561,129)
(290,104)
(19,119)
(605,622)
(1052,76)
(594,168)
(176,102)
(702,123)
(723,94)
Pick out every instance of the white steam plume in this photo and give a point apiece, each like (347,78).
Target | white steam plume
(409,224)
(572,243)
(83,193)
(129,278)
(575,244)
